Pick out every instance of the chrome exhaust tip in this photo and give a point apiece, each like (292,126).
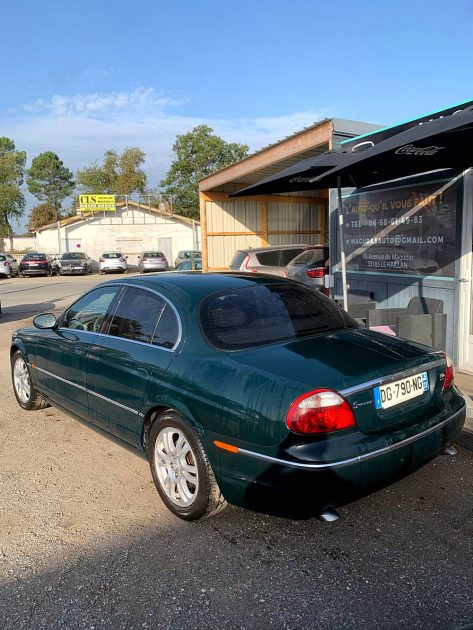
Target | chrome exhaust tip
(329,515)
(450,450)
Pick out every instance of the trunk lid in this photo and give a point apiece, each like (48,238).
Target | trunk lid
(355,363)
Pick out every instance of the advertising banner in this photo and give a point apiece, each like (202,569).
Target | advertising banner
(408,230)
(97,203)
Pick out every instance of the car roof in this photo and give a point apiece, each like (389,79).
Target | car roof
(196,285)
(276,248)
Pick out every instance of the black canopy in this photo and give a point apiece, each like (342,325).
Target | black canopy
(438,144)
(297,177)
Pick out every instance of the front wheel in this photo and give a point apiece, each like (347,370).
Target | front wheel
(181,469)
(25,393)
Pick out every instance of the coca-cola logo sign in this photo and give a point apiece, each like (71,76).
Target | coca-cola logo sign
(411,149)
(301,180)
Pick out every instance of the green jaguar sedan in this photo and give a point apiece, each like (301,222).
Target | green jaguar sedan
(240,387)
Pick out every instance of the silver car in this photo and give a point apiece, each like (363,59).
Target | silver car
(152,261)
(113,261)
(271,260)
(310,267)
(8,265)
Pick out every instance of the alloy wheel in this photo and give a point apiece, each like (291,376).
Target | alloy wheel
(21,380)
(176,467)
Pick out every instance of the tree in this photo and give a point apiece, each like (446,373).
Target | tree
(41,215)
(198,153)
(119,174)
(12,200)
(50,181)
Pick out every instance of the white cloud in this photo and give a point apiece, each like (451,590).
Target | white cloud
(141,101)
(80,128)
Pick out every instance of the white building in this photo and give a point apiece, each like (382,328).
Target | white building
(131,229)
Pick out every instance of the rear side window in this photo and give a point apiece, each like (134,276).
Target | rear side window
(136,315)
(311,256)
(237,260)
(269,259)
(167,330)
(262,314)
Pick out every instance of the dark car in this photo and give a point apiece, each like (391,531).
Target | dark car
(194,264)
(248,387)
(35,264)
(74,263)
(310,267)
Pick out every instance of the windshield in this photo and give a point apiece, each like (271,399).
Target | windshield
(262,314)
(34,257)
(73,256)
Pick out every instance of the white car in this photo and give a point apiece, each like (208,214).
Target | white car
(8,265)
(113,261)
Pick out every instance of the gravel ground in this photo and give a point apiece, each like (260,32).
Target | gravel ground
(85,542)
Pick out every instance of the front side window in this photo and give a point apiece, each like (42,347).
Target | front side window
(88,313)
(262,314)
(136,315)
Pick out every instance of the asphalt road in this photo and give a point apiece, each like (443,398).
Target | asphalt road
(85,541)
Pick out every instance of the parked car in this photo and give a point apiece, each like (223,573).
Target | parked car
(8,266)
(152,261)
(187,254)
(190,265)
(270,260)
(35,264)
(113,261)
(310,267)
(248,387)
(74,262)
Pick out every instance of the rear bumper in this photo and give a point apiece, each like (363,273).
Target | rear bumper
(248,477)
(34,272)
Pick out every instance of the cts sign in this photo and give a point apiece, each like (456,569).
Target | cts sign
(97,203)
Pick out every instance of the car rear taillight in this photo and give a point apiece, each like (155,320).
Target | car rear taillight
(317,272)
(43,262)
(101,259)
(245,265)
(449,374)
(163,259)
(5,264)
(319,411)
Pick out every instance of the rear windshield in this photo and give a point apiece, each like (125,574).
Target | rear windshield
(73,256)
(112,255)
(2,257)
(34,257)
(263,314)
(153,255)
(238,260)
(312,256)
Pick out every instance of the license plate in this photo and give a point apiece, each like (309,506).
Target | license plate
(386,396)
(34,264)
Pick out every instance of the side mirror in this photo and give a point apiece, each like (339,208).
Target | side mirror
(45,321)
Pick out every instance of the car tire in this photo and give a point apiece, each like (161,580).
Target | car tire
(21,275)
(182,474)
(27,396)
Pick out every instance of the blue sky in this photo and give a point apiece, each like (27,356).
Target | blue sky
(80,77)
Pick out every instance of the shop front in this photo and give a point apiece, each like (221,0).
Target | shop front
(402,242)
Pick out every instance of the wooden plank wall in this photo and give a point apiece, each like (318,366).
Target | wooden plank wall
(230,224)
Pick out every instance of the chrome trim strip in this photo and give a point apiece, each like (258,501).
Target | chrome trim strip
(89,391)
(353,460)
(59,378)
(392,377)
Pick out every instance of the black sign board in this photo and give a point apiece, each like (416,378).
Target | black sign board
(406,230)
